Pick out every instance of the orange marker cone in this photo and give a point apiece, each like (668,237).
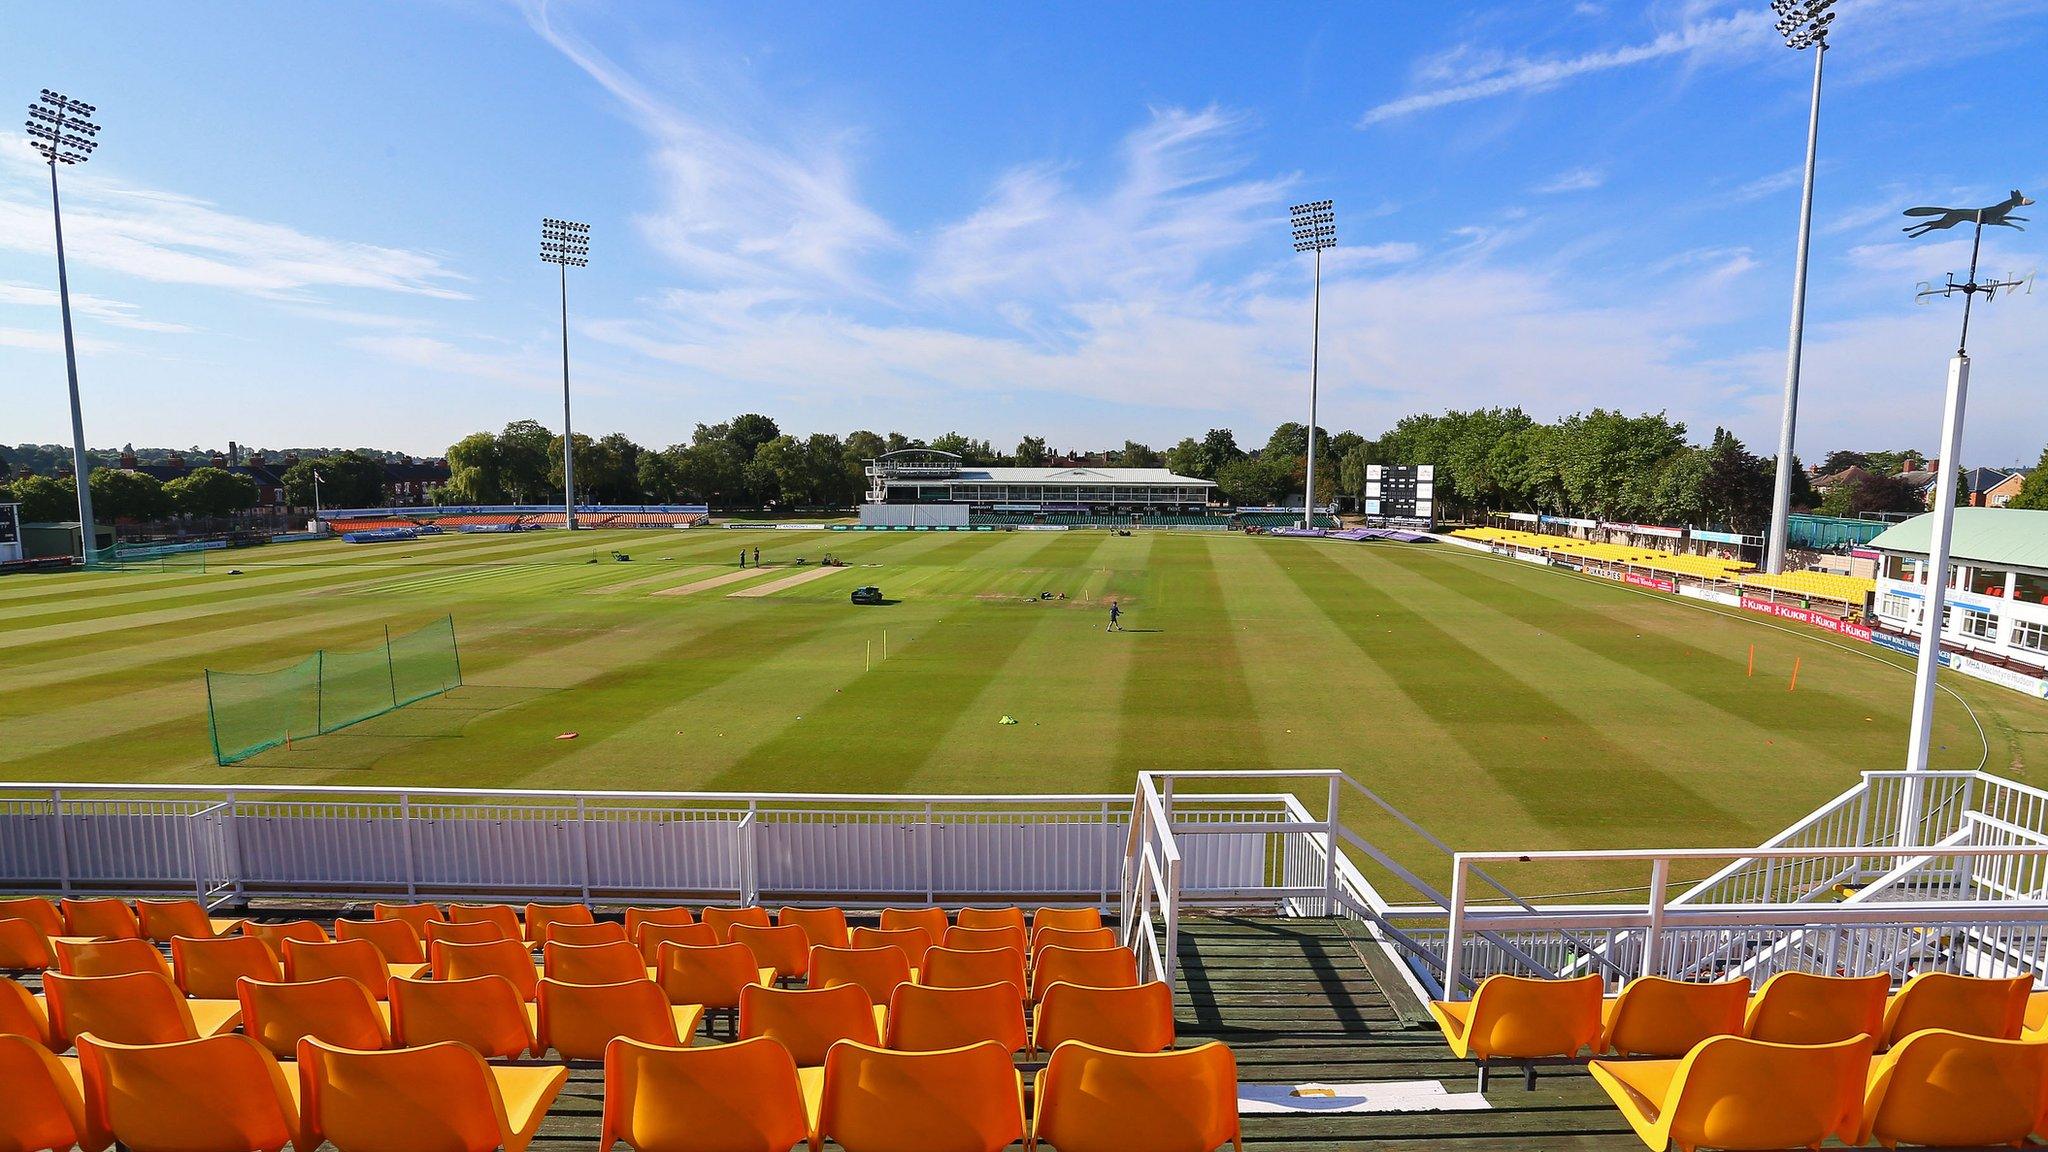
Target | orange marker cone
(1752,659)
(1794,686)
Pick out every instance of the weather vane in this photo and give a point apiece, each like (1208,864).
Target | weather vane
(1997,215)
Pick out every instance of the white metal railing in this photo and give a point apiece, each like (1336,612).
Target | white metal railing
(229,844)
(1952,926)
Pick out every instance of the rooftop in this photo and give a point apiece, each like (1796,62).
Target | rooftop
(2002,537)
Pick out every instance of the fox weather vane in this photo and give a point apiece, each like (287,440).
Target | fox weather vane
(1941,219)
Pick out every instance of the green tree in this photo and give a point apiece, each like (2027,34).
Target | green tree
(1187,458)
(1031,452)
(2033,491)
(1134,455)
(750,431)
(211,492)
(45,500)
(1256,480)
(1351,470)
(524,462)
(1842,458)
(1738,488)
(118,494)
(347,480)
(476,470)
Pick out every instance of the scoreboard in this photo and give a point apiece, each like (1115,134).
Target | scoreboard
(1400,495)
(10,532)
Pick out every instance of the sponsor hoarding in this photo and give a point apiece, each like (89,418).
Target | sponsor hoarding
(1820,620)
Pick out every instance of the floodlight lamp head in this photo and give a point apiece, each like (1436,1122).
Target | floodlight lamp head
(61,128)
(1314,225)
(564,242)
(1804,23)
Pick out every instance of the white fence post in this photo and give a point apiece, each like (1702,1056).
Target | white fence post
(1330,852)
(412,867)
(583,847)
(1653,932)
(57,840)
(1171,959)
(1454,935)
(931,883)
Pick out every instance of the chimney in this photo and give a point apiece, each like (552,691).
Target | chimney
(176,460)
(128,459)
(219,461)
(291,458)
(256,460)
(234,453)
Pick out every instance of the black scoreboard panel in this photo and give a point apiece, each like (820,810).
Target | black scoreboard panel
(10,532)
(1401,494)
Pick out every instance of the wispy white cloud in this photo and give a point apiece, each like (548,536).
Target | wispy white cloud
(1466,75)
(1572,180)
(170,238)
(116,313)
(738,206)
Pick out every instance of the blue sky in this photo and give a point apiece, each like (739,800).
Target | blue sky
(318,223)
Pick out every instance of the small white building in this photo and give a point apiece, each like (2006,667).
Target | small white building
(1997,613)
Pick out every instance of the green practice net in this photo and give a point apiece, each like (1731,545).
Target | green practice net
(143,558)
(248,712)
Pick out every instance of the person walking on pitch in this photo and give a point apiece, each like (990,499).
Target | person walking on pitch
(743,557)
(1115,614)
(757,557)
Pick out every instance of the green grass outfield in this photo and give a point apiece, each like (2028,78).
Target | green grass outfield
(1504,705)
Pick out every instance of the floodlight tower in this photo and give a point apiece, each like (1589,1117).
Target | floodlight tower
(1315,228)
(1803,24)
(564,243)
(62,130)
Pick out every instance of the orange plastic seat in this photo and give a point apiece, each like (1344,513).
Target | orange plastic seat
(1065,920)
(416,915)
(102,917)
(1732,1092)
(1079,939)
(912,942)
(1136,1019)
(359,960)
(1096,968)
(138,1008)
(109,956)
(163,919)
(208,968)
(276,934)
(540,916)
(484,1012)
(45,1099)
(825,926)
(1953,1090)
(808,1021)
(983,918)
(654,935)
(440,1098)
(1802,1008)
(638,918)
(337,1009)
(2037,1016)
(218,1092)
(579,1020)
(1655,1016)
(952,968)
(964,939)
(504,916)
(395,940)
(932,920)
(960,1100)
(1518,1019)
(1970,1005)
(925,1019)
(1093,1099)
(878,971)
(739,1097)
(711,975)
(24,947)
(786,949)
(721,919)
(597,932)
(37,910)
(22,1013)
(507,958)
(465,932)
(608,963)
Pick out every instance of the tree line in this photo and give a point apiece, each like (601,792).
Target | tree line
(118,494)
(1601,464)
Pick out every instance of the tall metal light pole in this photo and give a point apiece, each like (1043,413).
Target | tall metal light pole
(1935,575)
(62,130)
(564,243)
(1315,228)
(1803,24)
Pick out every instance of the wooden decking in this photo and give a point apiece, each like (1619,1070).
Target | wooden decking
(1299,1003)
